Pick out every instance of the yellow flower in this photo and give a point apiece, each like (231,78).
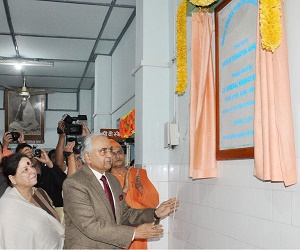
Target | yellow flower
(202,2)
(181,48)
(270,26)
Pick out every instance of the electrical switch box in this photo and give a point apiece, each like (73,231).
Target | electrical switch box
(171,135)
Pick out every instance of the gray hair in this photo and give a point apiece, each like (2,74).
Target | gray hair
(87,144)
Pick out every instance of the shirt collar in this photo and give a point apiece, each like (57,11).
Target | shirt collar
(97,174)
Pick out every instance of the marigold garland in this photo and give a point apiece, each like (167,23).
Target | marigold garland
(181,48)
(270,26)
(127,125)
(202,2)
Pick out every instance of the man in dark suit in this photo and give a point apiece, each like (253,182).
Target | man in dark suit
(91,220)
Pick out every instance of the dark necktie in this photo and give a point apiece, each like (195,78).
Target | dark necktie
(108,193)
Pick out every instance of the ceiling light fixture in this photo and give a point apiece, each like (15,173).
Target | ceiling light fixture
(18,62)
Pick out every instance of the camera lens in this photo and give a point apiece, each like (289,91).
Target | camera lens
(15,135)
(37,153)
(74,129)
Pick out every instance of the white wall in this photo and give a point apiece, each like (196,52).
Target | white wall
(236,210)
(123,62)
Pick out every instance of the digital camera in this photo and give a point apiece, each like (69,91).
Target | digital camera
(36,152)
(15,135)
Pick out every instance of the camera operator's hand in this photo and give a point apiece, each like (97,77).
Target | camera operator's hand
(68,150)
(61,128)
(85,130)
(7,138)
(69,147)
(45,159)
(21,138)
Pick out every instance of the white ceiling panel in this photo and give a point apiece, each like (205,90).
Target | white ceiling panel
(104,47)
(93,1)
(62,31)
(57,19)
(12,81)
(120,16)
(91,70)
(3,22)
(55,48)
(6,46)
(127,2)
(51,82)
(87,83)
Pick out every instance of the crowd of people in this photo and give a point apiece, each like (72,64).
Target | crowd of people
(76,197)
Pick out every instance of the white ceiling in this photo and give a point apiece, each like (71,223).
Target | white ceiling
(69,33)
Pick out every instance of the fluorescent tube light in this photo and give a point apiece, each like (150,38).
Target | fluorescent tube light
(22,62)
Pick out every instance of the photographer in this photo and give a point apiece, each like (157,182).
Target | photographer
(72,151)
(49,175)
(8,138)
(74,160)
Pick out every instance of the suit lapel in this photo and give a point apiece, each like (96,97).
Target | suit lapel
(114,188)
(97,186)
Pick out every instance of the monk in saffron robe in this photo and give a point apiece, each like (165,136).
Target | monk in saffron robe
(138,189)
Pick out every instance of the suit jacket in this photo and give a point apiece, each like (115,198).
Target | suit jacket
(90,222)
(51,180)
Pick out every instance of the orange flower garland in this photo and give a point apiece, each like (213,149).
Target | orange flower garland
(270,26)
(127,124)
(181,49)
(202,2)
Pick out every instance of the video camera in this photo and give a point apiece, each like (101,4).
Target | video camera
(78,146)
(73,129)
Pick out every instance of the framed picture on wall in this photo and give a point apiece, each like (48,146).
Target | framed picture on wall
(25,115)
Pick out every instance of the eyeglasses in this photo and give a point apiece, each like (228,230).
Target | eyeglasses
(119,152)
(104,151)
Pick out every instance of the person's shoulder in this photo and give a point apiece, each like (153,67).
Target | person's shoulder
(141,171)
(111,176)
(8,194)
(79,176)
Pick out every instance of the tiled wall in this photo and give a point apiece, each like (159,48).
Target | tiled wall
(235,210)
(158,174)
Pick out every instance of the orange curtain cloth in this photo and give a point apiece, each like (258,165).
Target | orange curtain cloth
(203,162)
(274,146)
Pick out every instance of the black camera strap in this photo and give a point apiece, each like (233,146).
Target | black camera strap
(66,154)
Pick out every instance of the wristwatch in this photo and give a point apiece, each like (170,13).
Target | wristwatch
(157,219)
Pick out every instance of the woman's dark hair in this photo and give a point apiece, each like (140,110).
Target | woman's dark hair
(10,165)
